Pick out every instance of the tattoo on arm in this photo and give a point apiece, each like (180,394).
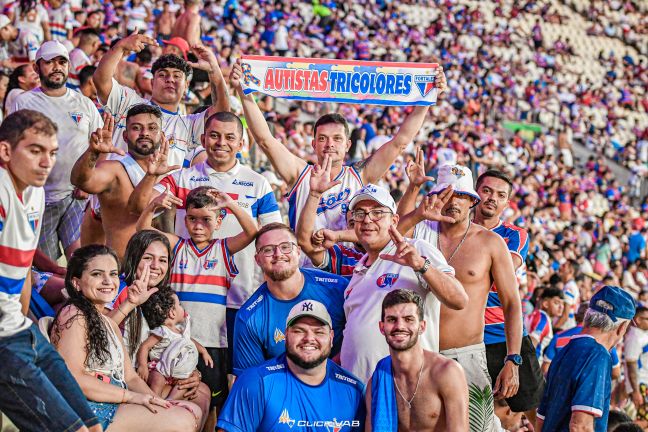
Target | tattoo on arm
(360,165)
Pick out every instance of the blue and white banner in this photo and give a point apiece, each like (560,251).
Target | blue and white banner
(342,81)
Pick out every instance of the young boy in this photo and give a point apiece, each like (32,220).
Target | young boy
(172,352)
(202,270)
(551,305)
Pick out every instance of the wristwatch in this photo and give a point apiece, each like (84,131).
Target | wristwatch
(426,265)
(515,358)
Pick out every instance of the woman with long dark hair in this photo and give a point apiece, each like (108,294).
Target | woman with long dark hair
(148,254)
(93,350)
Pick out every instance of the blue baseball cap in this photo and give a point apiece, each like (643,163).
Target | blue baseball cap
(622,304)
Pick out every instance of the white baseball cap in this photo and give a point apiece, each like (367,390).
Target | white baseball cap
(4,21)
(309,308)
(373,193)
(459,178)
(52,49)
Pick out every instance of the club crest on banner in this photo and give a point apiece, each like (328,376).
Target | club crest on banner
(425,83)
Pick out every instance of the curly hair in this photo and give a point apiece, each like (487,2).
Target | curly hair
(171,61)
(135,249)
(157,307)
(96,332)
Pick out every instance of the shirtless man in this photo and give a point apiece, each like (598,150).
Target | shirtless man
(165,22)
(494,189)
(187,26)
(113,181)
(479,257)
(431,390)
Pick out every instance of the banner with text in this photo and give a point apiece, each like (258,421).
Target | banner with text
(341,81)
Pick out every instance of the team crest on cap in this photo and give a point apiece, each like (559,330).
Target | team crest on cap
(76,116)
(457,172)
(425,83)
(387,280)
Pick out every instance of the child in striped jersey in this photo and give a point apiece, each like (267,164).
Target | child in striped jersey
(539,323)
(202,270)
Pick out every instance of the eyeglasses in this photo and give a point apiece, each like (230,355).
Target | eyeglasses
(285,248)
(374,215)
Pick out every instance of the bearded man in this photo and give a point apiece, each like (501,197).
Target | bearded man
(261,321)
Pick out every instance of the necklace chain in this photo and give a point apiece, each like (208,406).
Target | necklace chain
(418,381)
(456,249)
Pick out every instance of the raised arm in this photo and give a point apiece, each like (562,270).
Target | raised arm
(164,200)
(320,182)
(286,164)
(208,62)
(157,166)
(429,209)
(249,225)
(445,287)
(108,64)
(84,175)
(503,273)
(376,166)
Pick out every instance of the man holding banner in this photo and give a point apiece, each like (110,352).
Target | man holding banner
(328,81)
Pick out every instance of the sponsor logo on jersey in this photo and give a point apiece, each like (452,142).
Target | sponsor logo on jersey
(210,264)
(76,116)
(182,265)
(345,378)
(279,336)
(424,83)
(198,179)
(284,418)
(333,200)
(254,303)
(275,367)
(330,425)
(242,183)
(327,280)
(387,280)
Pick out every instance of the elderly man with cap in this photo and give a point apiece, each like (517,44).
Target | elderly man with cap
(480,258)
(77,118)
(577,394)
(391,263)
(301,388)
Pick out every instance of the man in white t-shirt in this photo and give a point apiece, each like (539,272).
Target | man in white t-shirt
(635,352)
(391,262)
(33,374)
(222,140)
(77,118)
(169,84)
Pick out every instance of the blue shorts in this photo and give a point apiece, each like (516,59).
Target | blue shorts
(37,391)
(105,411)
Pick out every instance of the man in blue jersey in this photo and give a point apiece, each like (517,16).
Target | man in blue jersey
(494,188)
(577,394)
(260,323)
(301,389)
(561,339)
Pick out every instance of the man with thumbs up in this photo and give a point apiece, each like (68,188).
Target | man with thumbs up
(391,262)
(113,181)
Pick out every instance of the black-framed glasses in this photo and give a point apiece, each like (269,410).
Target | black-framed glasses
(374,215)
(285,248)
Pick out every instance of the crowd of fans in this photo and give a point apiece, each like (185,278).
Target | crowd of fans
(551,95)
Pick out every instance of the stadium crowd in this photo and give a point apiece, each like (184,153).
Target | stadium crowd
(177,255)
